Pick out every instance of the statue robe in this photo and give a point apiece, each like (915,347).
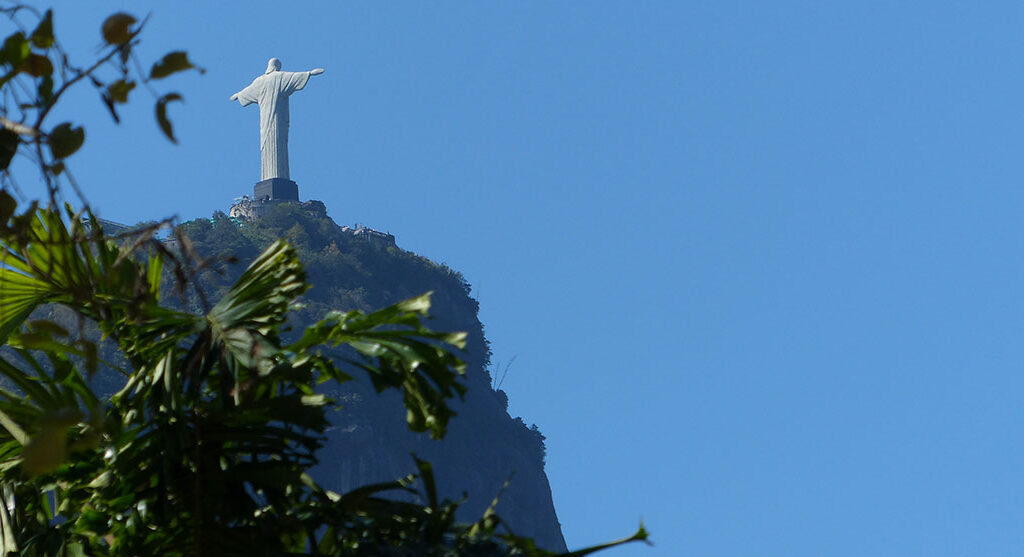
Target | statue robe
(271,91)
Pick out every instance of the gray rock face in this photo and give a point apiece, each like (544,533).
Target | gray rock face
(475,460)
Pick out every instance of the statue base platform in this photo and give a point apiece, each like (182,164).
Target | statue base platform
(276,189)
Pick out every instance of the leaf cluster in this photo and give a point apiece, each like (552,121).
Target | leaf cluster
(204,449)
(36,71)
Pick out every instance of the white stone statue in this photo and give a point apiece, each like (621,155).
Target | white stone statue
(271,91)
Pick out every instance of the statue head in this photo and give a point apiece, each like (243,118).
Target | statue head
(274,65)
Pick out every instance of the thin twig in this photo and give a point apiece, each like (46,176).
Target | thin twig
(20,129)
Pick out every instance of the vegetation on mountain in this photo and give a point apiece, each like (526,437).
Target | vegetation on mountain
(485,446)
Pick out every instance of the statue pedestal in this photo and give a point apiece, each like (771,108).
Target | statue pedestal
(276,189)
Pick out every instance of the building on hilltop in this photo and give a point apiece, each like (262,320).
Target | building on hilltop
(246,207)
(370,235)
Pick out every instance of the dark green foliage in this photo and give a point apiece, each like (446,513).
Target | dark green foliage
(42,36)
(8,146)
(65,140)
(161,114)
(117,28)
(171,63)
(204,448)
(345,271)
(484,447)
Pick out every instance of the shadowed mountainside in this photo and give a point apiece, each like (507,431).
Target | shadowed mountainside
(369,442)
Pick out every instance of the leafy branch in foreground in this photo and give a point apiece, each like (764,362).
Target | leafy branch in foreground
(36,72)
(204,450)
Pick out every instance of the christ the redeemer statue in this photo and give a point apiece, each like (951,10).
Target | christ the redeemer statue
(271,91)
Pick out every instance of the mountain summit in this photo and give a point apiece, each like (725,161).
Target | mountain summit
(361,268)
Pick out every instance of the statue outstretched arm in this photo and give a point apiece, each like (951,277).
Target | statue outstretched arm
(317,71)
(244,100)
(247,96)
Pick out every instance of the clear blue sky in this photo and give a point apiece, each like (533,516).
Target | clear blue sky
(761,265)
